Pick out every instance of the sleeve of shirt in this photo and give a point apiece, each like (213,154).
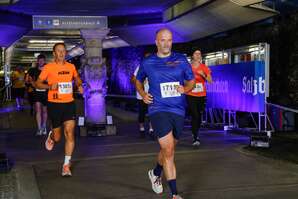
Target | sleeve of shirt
(188,74)
(44,73)
(75,72)
(141,74)
(206,70)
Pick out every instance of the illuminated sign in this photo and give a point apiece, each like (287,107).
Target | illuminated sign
(69,22)
(238,87)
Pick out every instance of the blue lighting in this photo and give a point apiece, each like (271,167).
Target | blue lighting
(123,63)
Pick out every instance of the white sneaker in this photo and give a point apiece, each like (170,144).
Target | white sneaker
(177,197)
(156,182)
(44,131)
(39,132)
(196,143)
(66,172)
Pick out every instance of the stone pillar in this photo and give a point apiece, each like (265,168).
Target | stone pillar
(94,76)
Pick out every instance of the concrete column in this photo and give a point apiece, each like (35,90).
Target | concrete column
(94,76)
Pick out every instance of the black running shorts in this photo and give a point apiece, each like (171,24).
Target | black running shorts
(41,96)
(61,112)
(164,122)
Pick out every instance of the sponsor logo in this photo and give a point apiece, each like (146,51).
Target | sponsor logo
(63,73)
(218,86)
(173,63)
(253,86)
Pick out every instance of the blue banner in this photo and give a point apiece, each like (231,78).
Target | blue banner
(237,87)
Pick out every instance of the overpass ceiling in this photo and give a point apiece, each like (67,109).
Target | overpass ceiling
(120,12)
(89,7)
(134,21)
(200,19)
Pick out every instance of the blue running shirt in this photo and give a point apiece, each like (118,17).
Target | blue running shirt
(164,74)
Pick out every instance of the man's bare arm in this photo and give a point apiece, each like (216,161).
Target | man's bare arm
(147,98)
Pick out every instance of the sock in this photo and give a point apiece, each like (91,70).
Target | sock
(172,185)
(67,159)
(39,127)
(142,129)
(151,130)
(157,170)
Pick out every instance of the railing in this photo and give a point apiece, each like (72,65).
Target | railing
(5,93)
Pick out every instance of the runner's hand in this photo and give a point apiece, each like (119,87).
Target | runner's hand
(148,99)
(33,84)
(30,80)
(81,90)
(53,86)
(180,89)
(200,72)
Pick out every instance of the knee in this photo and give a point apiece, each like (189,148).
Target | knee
(37,110)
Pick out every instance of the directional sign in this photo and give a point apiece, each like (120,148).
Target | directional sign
(69,22)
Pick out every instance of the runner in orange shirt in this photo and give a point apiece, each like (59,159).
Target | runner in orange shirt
(197,97)
(58,78)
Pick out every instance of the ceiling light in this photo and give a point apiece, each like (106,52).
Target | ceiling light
(34,41)
(7,2)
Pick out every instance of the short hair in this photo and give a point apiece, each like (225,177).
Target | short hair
(57,44)
(41,56)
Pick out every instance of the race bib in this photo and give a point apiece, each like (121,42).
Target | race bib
(65,87)
(198,88)
(169,89)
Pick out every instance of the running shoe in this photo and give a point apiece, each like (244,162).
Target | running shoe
(196,143)
(66,170)
(156,182)
(49,142)
(39,132)
(177,197)
(151,134)
(44,131)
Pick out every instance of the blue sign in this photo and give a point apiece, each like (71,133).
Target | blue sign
(69,22)
(238,87)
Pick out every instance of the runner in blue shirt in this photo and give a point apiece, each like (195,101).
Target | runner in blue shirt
(170,76)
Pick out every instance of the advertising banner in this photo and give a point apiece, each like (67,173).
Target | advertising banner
(237,87)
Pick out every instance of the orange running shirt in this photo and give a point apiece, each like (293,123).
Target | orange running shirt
(63,75)
(200,87)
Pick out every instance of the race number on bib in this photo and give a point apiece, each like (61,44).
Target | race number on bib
(65,87)
(198,88)
(169,89)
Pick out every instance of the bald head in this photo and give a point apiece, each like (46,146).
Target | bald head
(163,41)
(162,30)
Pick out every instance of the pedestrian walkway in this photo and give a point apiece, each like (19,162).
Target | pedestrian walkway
(115,167)
(8,185)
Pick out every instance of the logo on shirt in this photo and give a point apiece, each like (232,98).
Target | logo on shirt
(173,63)
(63,73)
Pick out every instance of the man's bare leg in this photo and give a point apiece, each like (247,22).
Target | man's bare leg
(69,137)
(166,155)
(69,146)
